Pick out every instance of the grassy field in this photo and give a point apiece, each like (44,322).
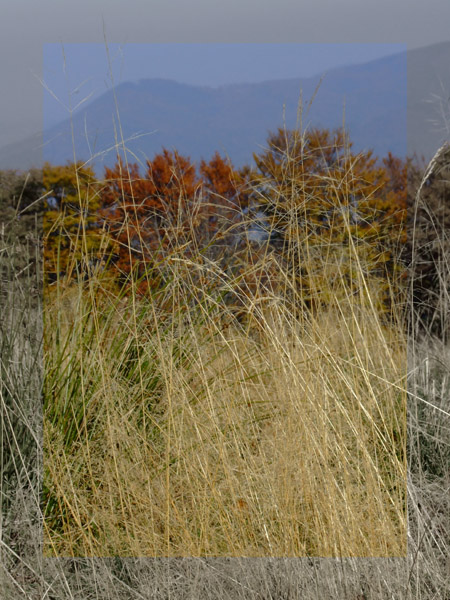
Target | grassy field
(180,437)
(174,428)
(184,432)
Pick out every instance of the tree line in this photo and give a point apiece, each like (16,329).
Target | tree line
(308,189)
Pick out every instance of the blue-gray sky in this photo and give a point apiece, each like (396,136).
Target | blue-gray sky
(26,25)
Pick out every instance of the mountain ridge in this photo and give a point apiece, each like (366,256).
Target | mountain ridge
(235,119)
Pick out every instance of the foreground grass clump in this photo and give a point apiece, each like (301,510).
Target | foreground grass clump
(182,438)
(219,415)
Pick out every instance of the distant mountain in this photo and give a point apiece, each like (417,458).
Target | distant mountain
(235,119)
(428,99)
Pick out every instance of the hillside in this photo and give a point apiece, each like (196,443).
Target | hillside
(235,119)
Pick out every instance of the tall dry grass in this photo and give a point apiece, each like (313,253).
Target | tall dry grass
(24,573)
(172,428)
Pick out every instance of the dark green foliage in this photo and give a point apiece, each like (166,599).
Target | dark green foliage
(21,210)
(427,251)
(21,202)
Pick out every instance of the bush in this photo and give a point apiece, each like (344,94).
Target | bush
(427,250)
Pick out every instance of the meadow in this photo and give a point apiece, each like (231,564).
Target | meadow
(219,414)
(209,410)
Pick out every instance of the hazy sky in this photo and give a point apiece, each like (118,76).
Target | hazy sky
(26,25)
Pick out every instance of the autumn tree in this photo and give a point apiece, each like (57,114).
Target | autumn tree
(222,188)
(320,196)
(168,207)
(149,215)
(72,234)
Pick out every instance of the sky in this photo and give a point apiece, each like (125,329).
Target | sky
(26,26)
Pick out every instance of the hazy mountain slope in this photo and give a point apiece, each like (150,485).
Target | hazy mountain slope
(235,119)
(428,98)
(23,154)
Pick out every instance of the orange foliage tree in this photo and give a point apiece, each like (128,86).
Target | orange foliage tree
(222,186)
(169,207)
